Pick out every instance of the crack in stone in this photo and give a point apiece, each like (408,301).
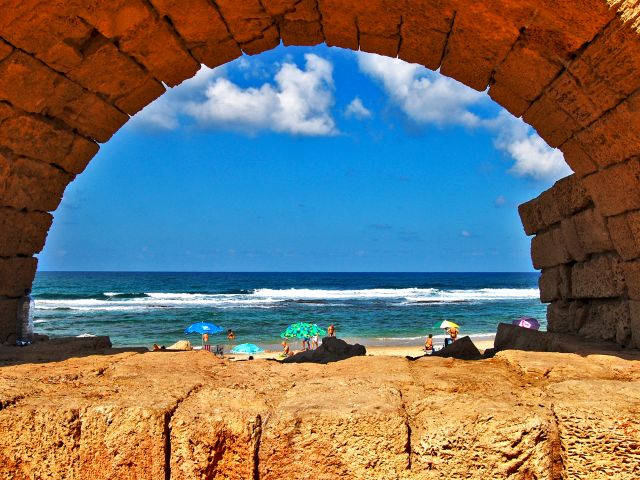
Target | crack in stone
(446,40)
(168,416)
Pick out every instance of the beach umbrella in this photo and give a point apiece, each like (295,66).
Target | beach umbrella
(527,322)
(202,328)
(448,324)
(300,330)
(247,349)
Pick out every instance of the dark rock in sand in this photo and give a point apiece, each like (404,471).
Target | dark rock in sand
(463,349)
(512,337)
(332,350)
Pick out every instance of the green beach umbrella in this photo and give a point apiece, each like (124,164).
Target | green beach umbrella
(302,330)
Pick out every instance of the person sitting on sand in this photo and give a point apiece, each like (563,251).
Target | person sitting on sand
(428,344)
(331,331)
(156,347)
(230,335)
(286,351)
(453,333)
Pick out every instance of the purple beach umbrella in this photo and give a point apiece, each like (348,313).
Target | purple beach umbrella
(527,322)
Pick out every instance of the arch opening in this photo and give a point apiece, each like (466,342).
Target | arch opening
(569,74)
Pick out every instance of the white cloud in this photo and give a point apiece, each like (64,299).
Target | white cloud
(299,102)
(356,109)
(429,98)
(500,201)
(465,233)
(423,95)
(532,156)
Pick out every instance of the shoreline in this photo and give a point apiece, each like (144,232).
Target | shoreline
(481,341)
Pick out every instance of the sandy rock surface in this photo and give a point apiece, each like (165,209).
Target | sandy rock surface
(190,415)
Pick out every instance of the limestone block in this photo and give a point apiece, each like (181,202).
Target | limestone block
(551,122)
(200,25)
(5,50)
(615,190)
(480,39)
(605,140)
(425,29)
(592,231)
(548,249)
(634,323)
(607,69)
(105,70)
(608,320)
(577,158)
(247,20)
(38,138)
(29,84)
(40,442)
(524,74)
(140,34)
(51,31)
(215,433)
(572,240)
(300,24)
(531,217)
(600,277)
(555,284)
(22,232)
(373,433)
(632,278)
(571,196)
(625,233)
(339,23)
(16,275)
(566,317)
(540,213)
(31,184)
(8,317)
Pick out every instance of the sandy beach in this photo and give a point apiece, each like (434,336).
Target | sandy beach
(482,343)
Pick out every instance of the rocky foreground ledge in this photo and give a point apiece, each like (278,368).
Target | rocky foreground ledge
(189,415)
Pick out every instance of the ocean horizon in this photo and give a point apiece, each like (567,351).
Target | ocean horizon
(374,308)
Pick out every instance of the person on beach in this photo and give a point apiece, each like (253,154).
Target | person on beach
(306,343)
(230,335)
(331,331)
(314,341)
(453,334)
(286,351)
(428,344)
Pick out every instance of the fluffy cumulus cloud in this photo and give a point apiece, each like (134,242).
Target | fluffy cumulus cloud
(428,98)
(298,102)
(425,96)
(356,109)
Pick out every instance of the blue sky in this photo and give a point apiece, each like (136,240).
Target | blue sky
(308,159)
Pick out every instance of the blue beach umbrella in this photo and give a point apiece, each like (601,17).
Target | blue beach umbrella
(202,328)
(247,349)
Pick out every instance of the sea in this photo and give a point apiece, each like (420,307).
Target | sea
(139,309)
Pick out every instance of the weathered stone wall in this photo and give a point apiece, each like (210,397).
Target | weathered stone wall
(589,267)
(72,73)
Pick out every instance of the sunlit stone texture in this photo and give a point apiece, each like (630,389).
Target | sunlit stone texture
(72,72)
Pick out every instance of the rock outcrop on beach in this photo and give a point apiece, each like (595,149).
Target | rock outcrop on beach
(462,348)
(186,415)
(332,349)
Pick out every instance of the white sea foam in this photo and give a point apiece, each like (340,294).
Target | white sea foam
(270,298)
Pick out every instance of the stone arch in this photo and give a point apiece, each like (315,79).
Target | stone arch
(72,73)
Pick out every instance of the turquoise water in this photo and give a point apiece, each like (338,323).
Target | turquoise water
(376,308)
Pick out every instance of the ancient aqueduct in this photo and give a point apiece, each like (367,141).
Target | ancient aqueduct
(72,73)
